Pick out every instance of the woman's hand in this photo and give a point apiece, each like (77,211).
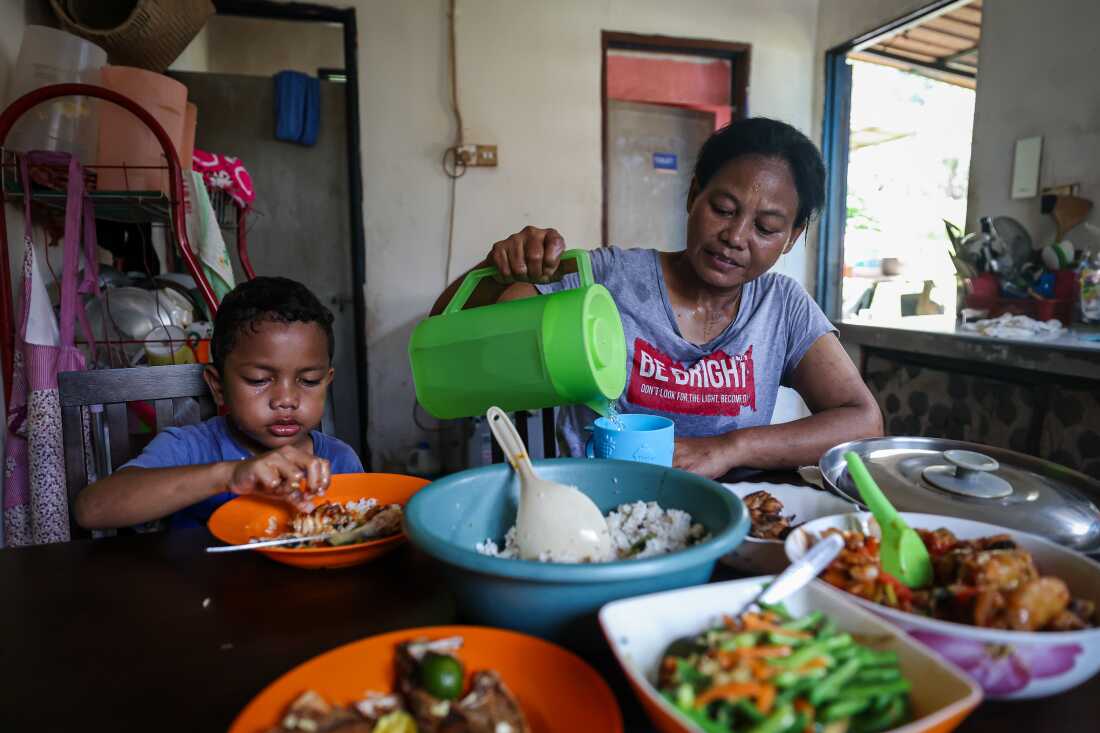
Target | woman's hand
(286,473)
(530,256)
(711,457)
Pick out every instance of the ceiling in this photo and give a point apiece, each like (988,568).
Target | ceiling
(944,46)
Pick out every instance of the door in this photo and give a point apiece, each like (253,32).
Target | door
(651,154)
(300,225)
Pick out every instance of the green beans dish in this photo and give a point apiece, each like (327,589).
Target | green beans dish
(766,672)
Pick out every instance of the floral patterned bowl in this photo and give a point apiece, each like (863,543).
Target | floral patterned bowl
(1007,664)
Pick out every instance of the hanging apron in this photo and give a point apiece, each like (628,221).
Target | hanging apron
(36,505)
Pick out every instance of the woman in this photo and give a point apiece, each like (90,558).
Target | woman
(711,334)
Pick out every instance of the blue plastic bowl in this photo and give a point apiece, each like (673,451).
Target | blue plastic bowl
(449,517)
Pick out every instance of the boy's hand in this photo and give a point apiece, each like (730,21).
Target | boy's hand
(286,473)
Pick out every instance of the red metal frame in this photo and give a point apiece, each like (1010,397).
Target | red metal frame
(176,199)
(242,243)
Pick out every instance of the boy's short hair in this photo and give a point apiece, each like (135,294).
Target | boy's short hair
(262,300)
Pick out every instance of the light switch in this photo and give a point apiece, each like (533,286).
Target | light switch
(1025,169)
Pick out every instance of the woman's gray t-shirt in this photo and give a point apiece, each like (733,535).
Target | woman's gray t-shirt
(729,383)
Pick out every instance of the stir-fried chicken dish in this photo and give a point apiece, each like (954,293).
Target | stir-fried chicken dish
(431,696)
(354,521)
(989,582)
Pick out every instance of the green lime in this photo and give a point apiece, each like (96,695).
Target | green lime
(396,722)
(441,675)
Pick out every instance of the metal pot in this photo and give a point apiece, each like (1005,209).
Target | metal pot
(973,481)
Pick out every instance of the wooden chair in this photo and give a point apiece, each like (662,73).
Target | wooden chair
(113,389)
(110,434)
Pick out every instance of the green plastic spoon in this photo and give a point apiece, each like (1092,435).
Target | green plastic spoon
(902,551)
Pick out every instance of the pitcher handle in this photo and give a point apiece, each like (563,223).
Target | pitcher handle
(473,277)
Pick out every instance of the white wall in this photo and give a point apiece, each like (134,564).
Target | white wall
(1037,77)
(529,83)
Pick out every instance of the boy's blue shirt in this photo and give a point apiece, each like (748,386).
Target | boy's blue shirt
(210,442)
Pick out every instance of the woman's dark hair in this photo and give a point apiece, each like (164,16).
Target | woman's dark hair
(263,300)
(771,139)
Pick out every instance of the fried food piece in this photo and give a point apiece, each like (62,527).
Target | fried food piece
(488,707)
(311,713)
(1036,603)
(765,511)
(989,606)
(999,569)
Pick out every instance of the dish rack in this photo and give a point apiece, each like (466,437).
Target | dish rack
(153,207)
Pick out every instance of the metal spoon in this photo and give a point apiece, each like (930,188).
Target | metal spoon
(798,573)
(553,518)
(345,537)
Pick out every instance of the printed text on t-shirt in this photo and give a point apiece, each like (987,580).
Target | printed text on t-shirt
(717,384)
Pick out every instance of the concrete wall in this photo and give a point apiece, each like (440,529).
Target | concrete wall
(12,23)
(262,47)
(530,83)
(1037,77)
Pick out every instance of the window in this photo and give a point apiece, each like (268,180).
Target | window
(897,136)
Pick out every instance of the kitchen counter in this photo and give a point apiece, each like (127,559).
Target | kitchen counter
(1075,354)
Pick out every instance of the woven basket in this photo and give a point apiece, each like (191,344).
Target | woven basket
(149,34)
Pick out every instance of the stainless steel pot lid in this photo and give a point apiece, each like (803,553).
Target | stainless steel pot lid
(986,484)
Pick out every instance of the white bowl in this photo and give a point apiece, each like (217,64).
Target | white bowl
(640,629)
(762,557)
(1008,664)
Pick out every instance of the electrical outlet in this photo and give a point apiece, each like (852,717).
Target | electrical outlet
(467,154)
(486,155)
(477,155)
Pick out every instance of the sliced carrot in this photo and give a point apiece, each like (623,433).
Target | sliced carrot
(761,670)
(756,623)
(763,694)
(815,663)
(732,657)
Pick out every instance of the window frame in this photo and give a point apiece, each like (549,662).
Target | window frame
(835,132)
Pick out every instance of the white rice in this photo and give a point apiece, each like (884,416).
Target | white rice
(640,529)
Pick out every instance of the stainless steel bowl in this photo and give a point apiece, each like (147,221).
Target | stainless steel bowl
(978,482)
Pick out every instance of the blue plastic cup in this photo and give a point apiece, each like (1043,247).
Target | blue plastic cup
(642,438)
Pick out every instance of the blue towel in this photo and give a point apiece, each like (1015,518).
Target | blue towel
(297,107)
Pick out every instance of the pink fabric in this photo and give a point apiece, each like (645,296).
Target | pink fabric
(35,495)
(227,173)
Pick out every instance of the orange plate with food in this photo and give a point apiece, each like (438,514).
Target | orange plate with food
(556,690)
(248,517)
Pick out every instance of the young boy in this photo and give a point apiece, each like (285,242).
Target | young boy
(272,353)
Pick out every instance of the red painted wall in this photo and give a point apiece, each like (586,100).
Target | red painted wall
(656,80)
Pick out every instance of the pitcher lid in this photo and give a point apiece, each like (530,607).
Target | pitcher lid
(604,341)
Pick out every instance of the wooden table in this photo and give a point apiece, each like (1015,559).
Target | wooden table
(117,635)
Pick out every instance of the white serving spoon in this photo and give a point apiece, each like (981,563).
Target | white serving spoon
(552,518)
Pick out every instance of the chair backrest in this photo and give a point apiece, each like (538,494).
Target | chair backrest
(114,389)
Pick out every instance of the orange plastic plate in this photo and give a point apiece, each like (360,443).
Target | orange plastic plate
(239,520)
(559,693)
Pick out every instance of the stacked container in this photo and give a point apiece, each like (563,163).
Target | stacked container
(126,140)
(49,56)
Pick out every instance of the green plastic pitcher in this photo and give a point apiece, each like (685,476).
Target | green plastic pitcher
(558,349)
